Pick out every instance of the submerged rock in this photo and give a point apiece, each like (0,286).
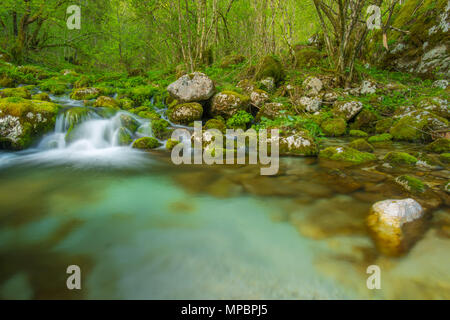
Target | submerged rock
(193,87)
(395,225)
(346,154)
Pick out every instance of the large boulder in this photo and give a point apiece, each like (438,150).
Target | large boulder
(334,127)
(395,224)
(227,103)
(185,113)
(21,121)
(347,109)
(193,87)
(309,104)
(312,86)
(416,125)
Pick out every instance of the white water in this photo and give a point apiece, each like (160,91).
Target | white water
(94,142)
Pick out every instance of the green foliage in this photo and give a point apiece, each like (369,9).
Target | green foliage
(240,120)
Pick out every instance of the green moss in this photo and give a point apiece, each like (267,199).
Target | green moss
(54,86)
(240,120)
(75,115)
(408,129)
(380,138)
(170,144)
(129,122)
(400,158)
(358,133)
(441,145)
(308,57)
(361,145)
(106,102)
(126,104)
(160,129)
(146,143)
(215,124)
(124,137)
(270,67)
(411,184)
(85,94)
(232,60)
(140,95)
(365,120)
(41,96)
(346,154)
(334,127)
(384,125)
(21,92)
(445,158)
(152,115)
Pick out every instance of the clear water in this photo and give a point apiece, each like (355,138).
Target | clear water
(142,228)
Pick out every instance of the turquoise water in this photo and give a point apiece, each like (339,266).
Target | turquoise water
(167,232)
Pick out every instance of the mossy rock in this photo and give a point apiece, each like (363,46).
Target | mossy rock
(54,86)
(7,82)
(146,143)
(346,154)
(361,145)
(185,113)
(440,145)
(384,137)
(270,67)
(417,125)
(129,122)
(106,102)
(400,159)
(41,96)
(170,144)
(152,115)
(308,57)
(160,129)
(365,120)
(384,125)
(140,95)
(215,124)
(83,82)
(124,137)
(411,184)
(22,121)
(445,158)
(21,92)
(358,133)
(228,103)
(334,127)
(298,143)
(232,60)
(36,72)
(76,115)
(126,104)
(85,93)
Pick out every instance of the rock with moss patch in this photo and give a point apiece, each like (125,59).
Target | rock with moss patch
(358,133)
(232,60)
(21,92)
(440,145)
(272,110)
(107,102)
(21,121)
(193,87)
(227,103)
(334,127)
(365,120)
(411,184)
(124,137)
(307,57)
(397,158)
(215,124)
(129,122)
(346,154)
(436,105)
(185,113)
(298,143)
(309,104)
(361,145)
(270,67)
(160,129)
(445,158)
(384,125)
(85,94)
(347,109)
(385,137)
(146,143)
(417,125)
(259,97)
(126,104)
(41,96)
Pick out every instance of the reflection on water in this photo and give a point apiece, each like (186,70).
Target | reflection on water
(160,232)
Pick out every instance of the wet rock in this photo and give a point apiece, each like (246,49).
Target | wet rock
(185,113)
(396,158)
(361,145)
(193,87)
(410,184)
(85,93)
(227,103)
(129,122)
(395,225)
(384,137)
(124,137)
(170,144)
(106,102)
(347,109)
(439,146)
(146,143)
(346,154)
